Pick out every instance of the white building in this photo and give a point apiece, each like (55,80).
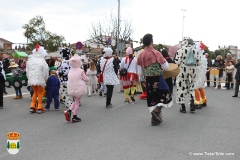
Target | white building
(234,51)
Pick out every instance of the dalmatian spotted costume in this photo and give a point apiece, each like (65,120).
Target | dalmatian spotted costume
(63,71)
(187,75)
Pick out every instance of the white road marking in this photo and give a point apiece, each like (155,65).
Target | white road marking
(11,95)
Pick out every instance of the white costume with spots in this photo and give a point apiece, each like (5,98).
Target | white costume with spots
(62,71)
(187,75)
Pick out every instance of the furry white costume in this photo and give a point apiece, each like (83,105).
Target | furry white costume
(200,70)
(200,98)
(37,73)
(187,75)
(37,68)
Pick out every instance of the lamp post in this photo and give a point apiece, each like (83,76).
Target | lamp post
(118,27)
(183,10)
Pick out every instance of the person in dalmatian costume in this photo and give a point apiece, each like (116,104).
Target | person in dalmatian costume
(63,71)
(187,75)
(200,98)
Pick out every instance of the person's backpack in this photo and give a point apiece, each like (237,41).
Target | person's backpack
(190,59)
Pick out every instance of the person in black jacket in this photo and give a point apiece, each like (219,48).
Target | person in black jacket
(2,80)
(237,77)
(169,80)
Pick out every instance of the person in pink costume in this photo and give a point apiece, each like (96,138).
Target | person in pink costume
(76,87)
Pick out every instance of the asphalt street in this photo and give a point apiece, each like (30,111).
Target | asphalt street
(123,132)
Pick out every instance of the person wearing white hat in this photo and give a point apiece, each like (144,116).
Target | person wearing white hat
(129,80)
(109,75)
(37,74)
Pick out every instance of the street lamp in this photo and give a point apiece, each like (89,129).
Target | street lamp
(118,27)
(183,10)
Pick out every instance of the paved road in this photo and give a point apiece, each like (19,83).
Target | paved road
(124,132)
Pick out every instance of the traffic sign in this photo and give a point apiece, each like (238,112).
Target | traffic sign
(109,40)
(79,45)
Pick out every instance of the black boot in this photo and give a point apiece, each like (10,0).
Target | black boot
(183,108)
(192,106)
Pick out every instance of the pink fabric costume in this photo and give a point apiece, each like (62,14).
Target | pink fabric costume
(76,82)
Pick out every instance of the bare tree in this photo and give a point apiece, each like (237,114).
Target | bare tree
(100,30)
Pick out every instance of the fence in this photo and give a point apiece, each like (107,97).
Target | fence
(214,73)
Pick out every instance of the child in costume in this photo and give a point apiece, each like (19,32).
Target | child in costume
(52,88)
(200,98)
(16,72)
(76,87)
(129,81)
(37,73)
(63,71)
(92,75)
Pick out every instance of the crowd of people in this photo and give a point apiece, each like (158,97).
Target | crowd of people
(69,78)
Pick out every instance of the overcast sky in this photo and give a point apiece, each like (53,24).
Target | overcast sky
(213,22)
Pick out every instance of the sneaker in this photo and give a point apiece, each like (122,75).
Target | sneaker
(56,109)
(76,119)
(105,94)
(109,106)
(235,96)
(67,115)
(89,95)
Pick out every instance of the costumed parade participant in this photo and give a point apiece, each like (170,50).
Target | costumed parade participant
(152,63)
(142,80)
(109,74)
(187,58)
(77,87)
(52,88)
(130,77)
(63,71)
(37,73)
(200,98)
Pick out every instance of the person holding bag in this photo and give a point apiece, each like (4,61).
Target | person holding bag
(109,74)
(152,63)
(128,74)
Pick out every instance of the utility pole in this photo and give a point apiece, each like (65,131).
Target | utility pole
(118,48)
(183,10)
